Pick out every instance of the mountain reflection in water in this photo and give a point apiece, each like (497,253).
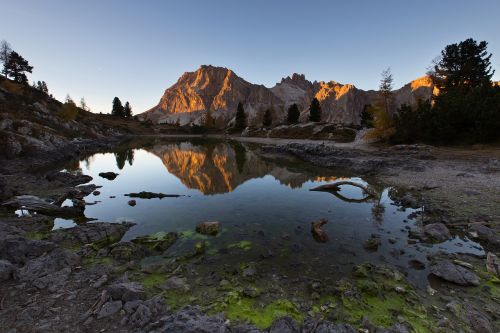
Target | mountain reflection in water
(221,167)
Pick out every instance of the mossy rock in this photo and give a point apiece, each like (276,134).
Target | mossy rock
(160,241)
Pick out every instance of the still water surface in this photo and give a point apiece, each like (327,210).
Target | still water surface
(263,203)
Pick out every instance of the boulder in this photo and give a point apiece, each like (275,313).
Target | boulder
(372,243)
(19,250)
(47,264)
(208,228)
(109,308)
(99,233)
(485,234)
(6,270)
(493,264)
(451,272)
(132,203)
(159,241)
(68,179)
(437,232)
(108,175)
(127,251)
(176,283)
(126,291)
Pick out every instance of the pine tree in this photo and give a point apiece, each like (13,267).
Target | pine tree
(464,65)
(118,109)
(127,110)
(5,51)
(386,88)
(293,114)
(241,118)
(315,110)
(267,121)
(17,67)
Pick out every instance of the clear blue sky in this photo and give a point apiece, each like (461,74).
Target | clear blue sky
(135,49)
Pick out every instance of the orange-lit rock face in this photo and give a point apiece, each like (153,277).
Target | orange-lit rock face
(221,167)
(219,90)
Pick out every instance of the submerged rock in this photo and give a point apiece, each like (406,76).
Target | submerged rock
(108,175)
(318,233)
(372,243)
(451,272)
(208,228)
(160,241)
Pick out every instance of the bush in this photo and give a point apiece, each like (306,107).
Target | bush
(68,111)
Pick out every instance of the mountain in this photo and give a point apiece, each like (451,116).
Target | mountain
(218,90)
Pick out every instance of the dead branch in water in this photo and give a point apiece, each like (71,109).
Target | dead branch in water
(335,187)
(33,203)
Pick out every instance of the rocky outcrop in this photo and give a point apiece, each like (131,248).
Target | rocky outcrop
(218,90)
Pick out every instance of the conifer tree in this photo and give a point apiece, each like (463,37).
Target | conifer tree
(127,110)
(293,114)
(118,109)
(241,118)
(268,118)
(315,110)
(16,67)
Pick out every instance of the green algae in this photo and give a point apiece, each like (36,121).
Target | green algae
(243,309)
(243,245)
(159,241)
(152,281)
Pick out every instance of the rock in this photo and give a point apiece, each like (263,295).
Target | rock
(437,232)
(416,264)
(284,325)
(485,234)
(324,326)
(151,195)
(493,264)
(6,270)
(126,291)
(54,281)
(454,273)
(176,283)
(100,281)
(160,241)
(96,193)
(19,250)
(47,264)
(127,251)
(208,228)
(192,320)
(99,233)
(372,243)
(109,309)
(249,271)
(132,203)
(141,316)
(477,320)
(68,179)
(108,175)
(318,233)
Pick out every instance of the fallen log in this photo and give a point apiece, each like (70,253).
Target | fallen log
(152,195)
(33,203)
(318,233)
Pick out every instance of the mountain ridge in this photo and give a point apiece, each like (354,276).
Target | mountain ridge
(218,90)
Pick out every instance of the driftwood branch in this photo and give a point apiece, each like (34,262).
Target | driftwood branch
(335,187)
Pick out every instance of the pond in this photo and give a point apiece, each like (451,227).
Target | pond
(265,206)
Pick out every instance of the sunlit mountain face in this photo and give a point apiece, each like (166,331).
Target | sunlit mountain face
(221,167)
